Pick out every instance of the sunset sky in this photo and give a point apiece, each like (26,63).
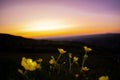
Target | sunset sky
(47,18)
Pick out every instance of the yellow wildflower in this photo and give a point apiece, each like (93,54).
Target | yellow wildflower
(62,51)
(70,55)
(103,78)
(75,59)
(29,64)
(40,60)
(87,49)
(52,61)
(76,75)
(85,68)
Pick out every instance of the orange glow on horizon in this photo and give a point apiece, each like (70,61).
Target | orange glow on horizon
(42,34)
(54,29)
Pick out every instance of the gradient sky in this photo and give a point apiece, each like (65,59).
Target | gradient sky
(45,18)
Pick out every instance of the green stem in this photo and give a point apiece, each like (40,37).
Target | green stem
(50,70)
(25,74)
(58,58)
(84,59)
(59,69)
(70,65)
(83,62)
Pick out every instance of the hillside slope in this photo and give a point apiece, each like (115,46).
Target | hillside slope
(11,43)
(101,42)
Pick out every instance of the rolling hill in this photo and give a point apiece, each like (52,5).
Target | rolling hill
(109,42)
(10,43)
(101,43)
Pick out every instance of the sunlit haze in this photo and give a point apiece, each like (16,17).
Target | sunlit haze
(48,18)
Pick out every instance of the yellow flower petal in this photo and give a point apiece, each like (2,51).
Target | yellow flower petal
(52,61)
(61,51)
(85,68)
(29,61)
(87,49)
(38,66)
(75,59)
(103,78)
(29,64)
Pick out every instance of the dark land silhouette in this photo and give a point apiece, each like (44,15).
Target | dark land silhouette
(104,59)
(103,43)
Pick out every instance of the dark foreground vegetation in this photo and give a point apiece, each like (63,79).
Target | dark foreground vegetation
(99,65)
(12,48)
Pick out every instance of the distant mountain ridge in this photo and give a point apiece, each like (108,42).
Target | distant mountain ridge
(109,41)
(80,37)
